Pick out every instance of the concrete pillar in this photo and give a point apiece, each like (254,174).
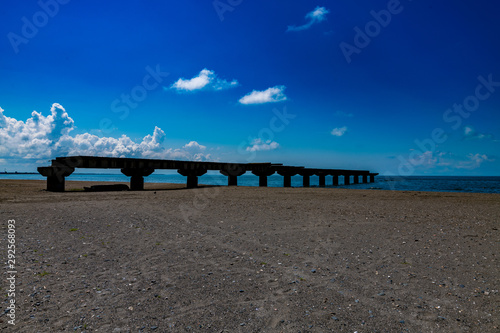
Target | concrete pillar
(192,176)
(137,177)
(287,173)
(55,177)
(306,180)
(347,179)
(372,178)
(232,180)
(356,179)
(263,174)
(335,180)
(365,179)
(321,180)
(232,173)
(287,181)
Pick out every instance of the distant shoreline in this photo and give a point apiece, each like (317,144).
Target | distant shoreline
(18,173)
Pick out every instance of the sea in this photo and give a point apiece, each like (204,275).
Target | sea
(395,183)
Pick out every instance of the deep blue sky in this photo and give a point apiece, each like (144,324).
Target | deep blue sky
(365,111)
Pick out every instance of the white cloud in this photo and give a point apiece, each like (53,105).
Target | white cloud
(316,16)
(43,137)
(339,131)
(205,79)
(448,161)
(470,134)
(474,161)
(270,95)
(260,145)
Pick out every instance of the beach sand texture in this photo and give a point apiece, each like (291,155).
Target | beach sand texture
(249,259)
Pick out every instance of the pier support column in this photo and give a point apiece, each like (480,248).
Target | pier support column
(287,173)
(263,174)
(356,179)
(306,181)
(347,179)
(55,177)
(137,177)
(232,174)
(192,176)
(372,178)
(306,177)
(335,180)
(322,180)
(365,179)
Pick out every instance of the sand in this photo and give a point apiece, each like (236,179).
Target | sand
(248,259)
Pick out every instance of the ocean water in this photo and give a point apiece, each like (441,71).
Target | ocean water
(412,183)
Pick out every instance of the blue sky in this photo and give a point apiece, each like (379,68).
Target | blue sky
(396,87)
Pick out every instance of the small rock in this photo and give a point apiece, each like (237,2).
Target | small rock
(381,293)
(335,318)
(313,271)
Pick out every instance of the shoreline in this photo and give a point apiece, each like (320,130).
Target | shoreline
(252,259)
(72,185)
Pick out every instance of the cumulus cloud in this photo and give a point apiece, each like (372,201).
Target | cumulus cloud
(206,79)
(45,137)
(449,161)
(316,16)
(471,134)
(474,161)
(339,131)
(270,95)
(260,145)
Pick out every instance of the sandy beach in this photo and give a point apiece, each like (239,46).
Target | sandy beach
(249,259)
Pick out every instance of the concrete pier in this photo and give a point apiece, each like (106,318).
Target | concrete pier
(306,177)
(137,169)
(192,176)
(137,177)
(56,177)
(322,178)
(287,173)
(263,174)
(335,180)
(232,172)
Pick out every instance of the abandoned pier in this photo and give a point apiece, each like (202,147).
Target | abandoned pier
(137,169)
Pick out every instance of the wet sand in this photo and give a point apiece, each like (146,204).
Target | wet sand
(248,259)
